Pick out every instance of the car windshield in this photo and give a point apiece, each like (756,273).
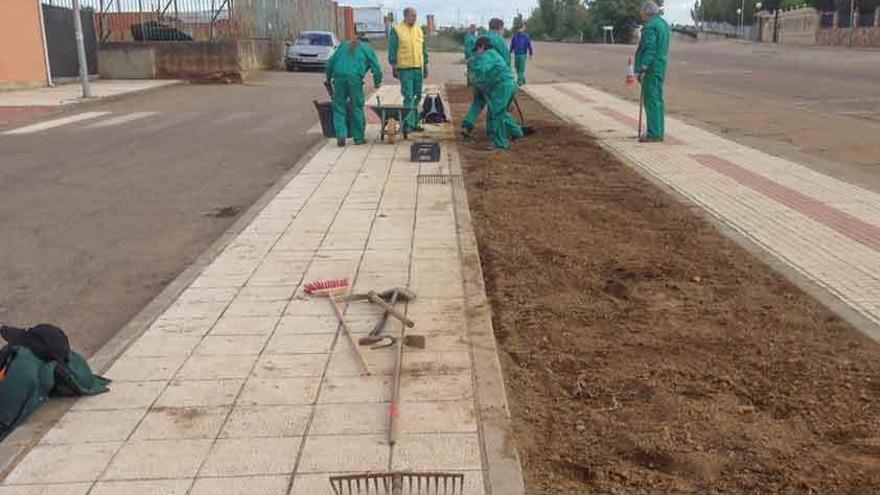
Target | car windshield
(315,39)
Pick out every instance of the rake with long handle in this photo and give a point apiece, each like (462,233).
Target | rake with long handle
(398,483)
(639,132)
(331,289)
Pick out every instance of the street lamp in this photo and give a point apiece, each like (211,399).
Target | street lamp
(740,12)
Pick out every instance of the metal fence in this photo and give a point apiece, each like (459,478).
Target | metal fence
(206,20)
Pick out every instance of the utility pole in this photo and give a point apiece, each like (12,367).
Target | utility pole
(81,51)
(742,13)
(852,19)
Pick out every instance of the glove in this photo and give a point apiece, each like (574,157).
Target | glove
(425,71)
(395,73)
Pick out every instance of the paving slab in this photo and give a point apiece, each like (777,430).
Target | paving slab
(244,384)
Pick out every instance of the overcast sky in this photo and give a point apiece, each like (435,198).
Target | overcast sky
(453,12)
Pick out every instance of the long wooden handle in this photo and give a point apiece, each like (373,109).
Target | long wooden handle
(351,339)
(374,298)
(393,423)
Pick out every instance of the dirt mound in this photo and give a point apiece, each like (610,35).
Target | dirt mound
(644,352)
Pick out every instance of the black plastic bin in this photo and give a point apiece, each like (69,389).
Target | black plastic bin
(325,114)
(424,151)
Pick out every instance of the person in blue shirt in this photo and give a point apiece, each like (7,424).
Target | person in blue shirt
(521,46)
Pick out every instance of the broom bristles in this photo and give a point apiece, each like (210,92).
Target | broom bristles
(318,287)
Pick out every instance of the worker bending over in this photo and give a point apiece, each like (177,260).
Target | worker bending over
(496,28)
(491,77)
(345,75)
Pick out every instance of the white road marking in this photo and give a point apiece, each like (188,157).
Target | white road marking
(50,124)
(122,119)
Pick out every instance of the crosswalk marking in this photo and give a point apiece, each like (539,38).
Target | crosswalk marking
(122,119)
(50,124)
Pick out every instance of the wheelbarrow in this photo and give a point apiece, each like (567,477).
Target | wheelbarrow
(387,113)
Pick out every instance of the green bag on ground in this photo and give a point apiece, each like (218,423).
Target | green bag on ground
(76,378)
(25,386)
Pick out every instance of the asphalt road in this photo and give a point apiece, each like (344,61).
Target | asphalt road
(817,106)
(97,216)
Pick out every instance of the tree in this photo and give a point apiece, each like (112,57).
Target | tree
(622,14)
(560,20)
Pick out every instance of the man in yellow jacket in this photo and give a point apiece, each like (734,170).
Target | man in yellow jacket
(408,57)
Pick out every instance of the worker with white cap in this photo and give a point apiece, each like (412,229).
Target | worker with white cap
(650,64)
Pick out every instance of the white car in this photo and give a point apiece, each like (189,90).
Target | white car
(311,49)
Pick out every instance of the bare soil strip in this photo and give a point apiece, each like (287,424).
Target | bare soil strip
(643,351)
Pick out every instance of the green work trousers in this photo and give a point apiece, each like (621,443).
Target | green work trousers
(500,125)
(348,90)
(411,88)
(655,109)
(520,63)
(473,113)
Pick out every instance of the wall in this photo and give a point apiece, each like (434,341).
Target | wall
(748,31)
(862,37)
(127,61)
(225,61)
(796,27)
(22,60)
(803,27)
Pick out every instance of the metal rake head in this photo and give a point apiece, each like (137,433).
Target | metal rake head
(398,483)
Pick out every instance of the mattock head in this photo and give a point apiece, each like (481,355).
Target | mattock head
(403,295)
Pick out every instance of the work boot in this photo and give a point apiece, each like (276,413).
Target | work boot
(340,142)
(528,130)
(650,139)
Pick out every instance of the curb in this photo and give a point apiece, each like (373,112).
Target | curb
(14,447)
(503,471)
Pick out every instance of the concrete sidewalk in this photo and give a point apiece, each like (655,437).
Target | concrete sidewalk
(70,93)
(821,230)
(245,385)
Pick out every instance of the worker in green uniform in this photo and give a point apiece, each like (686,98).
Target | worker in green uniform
(496,28)
(408,56)
(650,64)
(491,77)
(470,39)
(345,74)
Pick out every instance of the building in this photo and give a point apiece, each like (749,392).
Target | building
(23,58)
(369,21)
(430,25)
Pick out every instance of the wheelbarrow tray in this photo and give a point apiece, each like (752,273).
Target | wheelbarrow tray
(396,112)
